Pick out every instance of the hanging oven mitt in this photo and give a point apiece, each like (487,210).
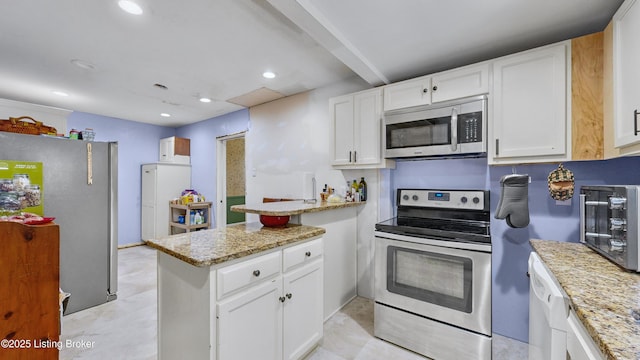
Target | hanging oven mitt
(514,202)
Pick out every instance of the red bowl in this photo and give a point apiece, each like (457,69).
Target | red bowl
(274,221)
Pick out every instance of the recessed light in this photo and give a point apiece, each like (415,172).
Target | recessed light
(130,7)
(60,93)
(165,115)
(83,64)
(205,100)
(268,74)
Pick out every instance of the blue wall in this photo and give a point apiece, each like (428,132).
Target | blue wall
(549,221)
(138,144)
(203,136)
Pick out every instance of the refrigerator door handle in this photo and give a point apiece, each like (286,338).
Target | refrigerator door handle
(113,227)
(89,165)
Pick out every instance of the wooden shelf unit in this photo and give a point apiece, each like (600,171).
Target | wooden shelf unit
(176,210)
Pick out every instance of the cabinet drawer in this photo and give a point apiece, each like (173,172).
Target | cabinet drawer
(300,254)
(248,272)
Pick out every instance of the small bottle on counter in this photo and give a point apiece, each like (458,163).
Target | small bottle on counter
(362,188)
(354,190)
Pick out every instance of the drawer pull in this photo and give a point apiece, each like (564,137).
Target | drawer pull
(256,273)
(307,254)
(282,299)
(289,296)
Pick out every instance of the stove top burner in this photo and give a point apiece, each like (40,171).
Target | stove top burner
(465,231)
(447,218)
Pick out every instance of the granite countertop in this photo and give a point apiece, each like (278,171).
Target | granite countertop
(215,246)
(284,208)
(603,295)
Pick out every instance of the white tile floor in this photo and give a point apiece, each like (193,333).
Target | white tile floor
(126,328)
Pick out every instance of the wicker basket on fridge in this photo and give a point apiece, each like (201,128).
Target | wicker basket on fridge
(22,125)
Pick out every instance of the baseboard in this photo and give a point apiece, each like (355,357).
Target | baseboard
(131,245)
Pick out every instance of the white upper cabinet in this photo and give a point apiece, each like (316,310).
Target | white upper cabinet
(626,57)
(342,128)
(459,83)
(408,93)
(447,85)
(529,118)
(356,125)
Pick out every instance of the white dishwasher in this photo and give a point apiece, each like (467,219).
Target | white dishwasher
(548,312)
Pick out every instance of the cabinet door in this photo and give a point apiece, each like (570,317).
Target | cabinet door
(407,93)
(460,83)
(302,309)
(626,53)
(250,324)
(367,127)
(167,149)
(529,118)
(342,128)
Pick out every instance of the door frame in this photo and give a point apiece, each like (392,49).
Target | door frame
(221,176)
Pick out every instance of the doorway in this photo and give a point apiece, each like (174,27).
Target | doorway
(231,178)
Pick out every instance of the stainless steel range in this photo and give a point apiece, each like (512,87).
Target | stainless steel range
(433,274)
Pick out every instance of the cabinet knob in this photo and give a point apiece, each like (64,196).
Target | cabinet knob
(282,299)
(425,90)
(435,88)
(307,254)
(256,273)
(289,296)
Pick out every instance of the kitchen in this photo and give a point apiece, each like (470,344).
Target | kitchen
(299,136)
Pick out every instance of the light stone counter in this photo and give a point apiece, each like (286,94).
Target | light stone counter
(215,246)
(604,297)
(284,208)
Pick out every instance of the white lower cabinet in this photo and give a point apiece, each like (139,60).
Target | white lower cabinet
(250,323)
(267,307)
(280,317)
(303,321)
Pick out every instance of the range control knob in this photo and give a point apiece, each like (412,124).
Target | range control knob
(476,200)
(463,199)
(405,197)
(415,197)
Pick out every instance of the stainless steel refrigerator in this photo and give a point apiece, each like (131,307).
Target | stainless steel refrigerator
(80,181)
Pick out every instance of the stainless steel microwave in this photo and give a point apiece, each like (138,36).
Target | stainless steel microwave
(453,128)
(609,217)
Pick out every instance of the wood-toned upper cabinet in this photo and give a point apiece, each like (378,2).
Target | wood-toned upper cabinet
(587,97)
(626,77)
(528,121)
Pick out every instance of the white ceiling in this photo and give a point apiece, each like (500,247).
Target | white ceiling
(219,48)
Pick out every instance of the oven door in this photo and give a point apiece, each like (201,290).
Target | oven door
(441,283)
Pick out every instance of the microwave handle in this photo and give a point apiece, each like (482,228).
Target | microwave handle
(583,204)
(454,129)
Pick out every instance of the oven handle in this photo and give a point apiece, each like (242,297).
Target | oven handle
(454,129)
(434,242)
(583,203)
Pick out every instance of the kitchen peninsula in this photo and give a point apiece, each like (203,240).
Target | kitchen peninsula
(240,292)
(339,219)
